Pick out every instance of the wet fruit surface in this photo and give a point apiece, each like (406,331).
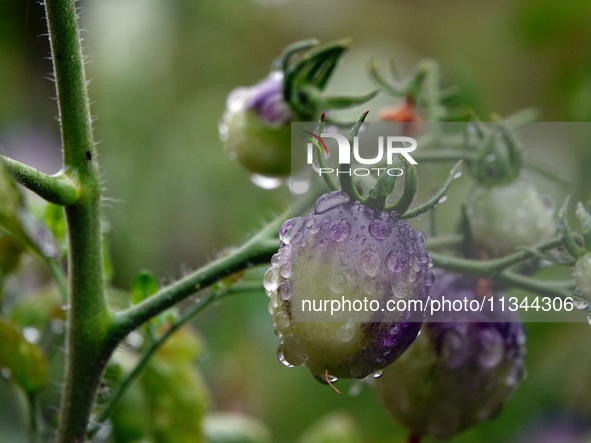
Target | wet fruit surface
(505,217)
(349,254)
(457,373)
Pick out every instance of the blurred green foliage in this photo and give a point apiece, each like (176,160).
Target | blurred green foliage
(161,72)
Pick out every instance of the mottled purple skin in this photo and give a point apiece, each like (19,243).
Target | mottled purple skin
(266,99)
(458,373)
(343,249)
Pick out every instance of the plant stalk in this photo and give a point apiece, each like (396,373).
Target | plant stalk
(88,319)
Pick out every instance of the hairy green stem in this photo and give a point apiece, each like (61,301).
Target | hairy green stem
(488,268)
(89,318)
(60,189)
(444,241)
(256,251)
(498,269)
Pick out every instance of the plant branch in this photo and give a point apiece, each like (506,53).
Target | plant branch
(256,251)
(498,269)
(490,268)
(59,189)
(88,319)
(443,241)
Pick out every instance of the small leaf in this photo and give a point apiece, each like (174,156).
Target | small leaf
(347,102)
(585,220)
(26,362)
(54,219)
(144,285)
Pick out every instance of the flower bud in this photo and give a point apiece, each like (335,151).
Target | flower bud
(255,127)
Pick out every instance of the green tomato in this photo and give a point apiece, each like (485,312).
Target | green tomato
(504,217)
(260,148)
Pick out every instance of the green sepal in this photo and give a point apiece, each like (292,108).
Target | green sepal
(585,221)
(566,233)
(347,102)
(411,184)
(433,201)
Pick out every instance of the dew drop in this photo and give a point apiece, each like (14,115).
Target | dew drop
(281,320)
(589,317)
(442,199)
(339,231)
(370,262)
(360,239)
(323,242)
(492,348)
(421,238)
(271,279)
(513,377)
(285,270)
(397,290)
(458,174)
(393,263)
(337,284)
(265,182)
(281,357)
(429,278)
(310,221)
(330,200)
(284,290)
(453,349)
(5,373)
(331,378)
(423,257)
(297,238)
(275,259)
(371,287)
(294,351)
(285,232)
(580,304)
(377,374)
(346,332)
(351,274)
(379,230)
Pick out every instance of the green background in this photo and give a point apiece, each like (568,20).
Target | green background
(161,71)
